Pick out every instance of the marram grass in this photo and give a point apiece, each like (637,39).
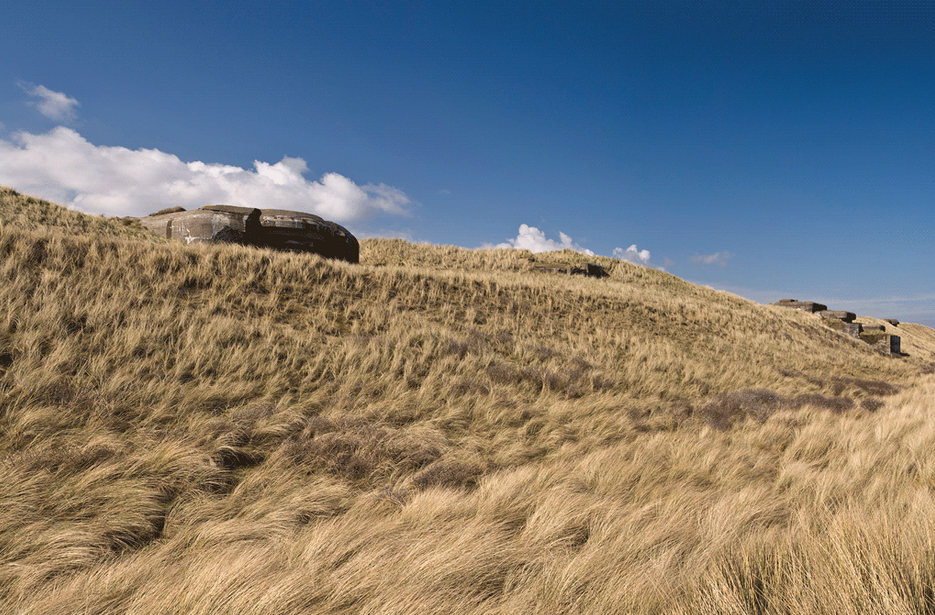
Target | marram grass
(220,429)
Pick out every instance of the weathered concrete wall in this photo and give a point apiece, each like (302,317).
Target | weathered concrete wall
(591,270)
(839,314)
(894,345)
(853,329)
(884,342)
(805,306)
(205,225)
(271,228)
(302,232)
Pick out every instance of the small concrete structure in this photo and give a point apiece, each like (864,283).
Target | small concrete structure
(893,344)
(591,270)
(884,342)
(804,306)
(291,231)
(839,314)
(854,329)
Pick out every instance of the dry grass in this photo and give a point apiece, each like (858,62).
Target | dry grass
(30,213)
(219,429)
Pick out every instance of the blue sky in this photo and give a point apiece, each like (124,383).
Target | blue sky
(775,149)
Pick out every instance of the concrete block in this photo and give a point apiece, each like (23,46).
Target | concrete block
(839,314)
(805,306)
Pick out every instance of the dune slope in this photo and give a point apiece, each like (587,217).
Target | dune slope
(213,429)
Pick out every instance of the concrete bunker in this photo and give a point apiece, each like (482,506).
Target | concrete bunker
(591,270)
(279,229)
(843,321)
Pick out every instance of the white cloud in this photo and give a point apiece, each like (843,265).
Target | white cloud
(63,166)
(532,239)
(632,254)
(54,105)
(719,258)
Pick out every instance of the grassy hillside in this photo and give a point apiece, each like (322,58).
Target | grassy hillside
(30,213)
(220,429)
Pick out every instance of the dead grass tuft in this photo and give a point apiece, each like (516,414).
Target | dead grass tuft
(725,410)
(169,210)
(449,474)
(870,387)
(358,450)
(760,404)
